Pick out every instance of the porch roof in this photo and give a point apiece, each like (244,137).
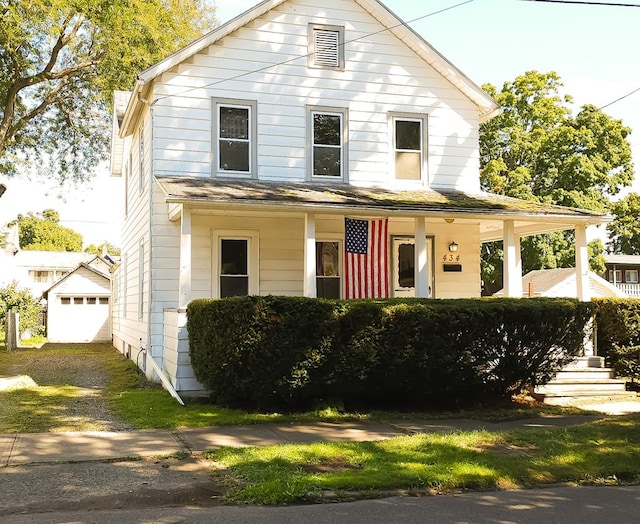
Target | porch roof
(345,198)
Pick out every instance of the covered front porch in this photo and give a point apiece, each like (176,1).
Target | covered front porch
(250,237)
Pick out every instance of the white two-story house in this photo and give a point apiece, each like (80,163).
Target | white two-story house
(245,153)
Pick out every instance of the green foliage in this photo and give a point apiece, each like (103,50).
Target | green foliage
(537,150)
(20,301)
(60,61)
(291,353)
(624,231)
(618,334)
(105,247)
(42,232)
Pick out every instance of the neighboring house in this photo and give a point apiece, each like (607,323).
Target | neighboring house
(561,282)
(78,305)
(622,271)
(244,153)
(37,270)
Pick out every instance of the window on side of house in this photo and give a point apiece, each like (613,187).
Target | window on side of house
(326,47)
(631,276)
(409,147)
(65,301)
(328,283)
(234,128)
(327,143)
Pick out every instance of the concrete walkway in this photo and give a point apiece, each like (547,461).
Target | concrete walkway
(50,448)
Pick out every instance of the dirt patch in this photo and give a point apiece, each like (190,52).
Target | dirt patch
(334,465)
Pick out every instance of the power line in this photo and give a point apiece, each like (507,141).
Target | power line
(290,60)
(581,2)
(621,98)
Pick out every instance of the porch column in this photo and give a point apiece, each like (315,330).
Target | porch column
(309,285)
(582,264)
(512,265)
(185,257)
(422,285)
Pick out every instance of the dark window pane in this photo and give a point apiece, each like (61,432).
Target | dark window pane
(234,156)
(327,130)
(406,265)
(233,286)
(408,135)
(234,122)
(328,287)
(233,257)
(327,259)
(326,161)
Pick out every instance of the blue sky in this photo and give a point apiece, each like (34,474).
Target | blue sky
(593,49)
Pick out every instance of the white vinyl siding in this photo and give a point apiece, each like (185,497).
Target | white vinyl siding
(141,275)
(262,62)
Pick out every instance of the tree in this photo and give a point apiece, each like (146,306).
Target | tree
(13,298)
(105,247)
(538,150)
(43,232)
(60,61)
(624,231)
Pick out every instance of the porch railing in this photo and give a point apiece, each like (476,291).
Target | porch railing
(633,290)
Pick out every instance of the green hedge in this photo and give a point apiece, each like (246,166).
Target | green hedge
(618,334)
(291,352)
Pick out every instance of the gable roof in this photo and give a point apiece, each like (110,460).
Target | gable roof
(487,106)
(82,265)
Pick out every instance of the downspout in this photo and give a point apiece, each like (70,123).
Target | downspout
(149,345)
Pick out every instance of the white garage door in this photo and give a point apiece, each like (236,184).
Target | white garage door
(79,319)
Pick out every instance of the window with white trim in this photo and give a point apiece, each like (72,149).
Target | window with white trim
(328,283)
(615,275)
(409,144)
(631,276)
(326,46)
(236,258)
(327,143)
(234,128)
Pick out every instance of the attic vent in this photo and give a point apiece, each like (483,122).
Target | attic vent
(326,47)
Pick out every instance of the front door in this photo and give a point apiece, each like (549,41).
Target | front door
(403,251)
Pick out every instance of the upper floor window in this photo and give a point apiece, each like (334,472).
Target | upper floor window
(615,275)
(326,46)
(328,144)
(631,276)
(235,137)
(409,147)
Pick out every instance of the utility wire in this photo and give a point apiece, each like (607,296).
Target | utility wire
(581,2)
(290,60)
(621,98)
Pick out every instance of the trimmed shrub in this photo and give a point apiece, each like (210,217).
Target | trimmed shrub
(291,353)
(618,334)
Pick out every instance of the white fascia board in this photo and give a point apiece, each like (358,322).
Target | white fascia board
(210,38)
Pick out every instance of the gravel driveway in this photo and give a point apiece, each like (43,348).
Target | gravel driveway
(82,368)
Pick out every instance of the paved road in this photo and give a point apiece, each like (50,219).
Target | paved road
(585,505)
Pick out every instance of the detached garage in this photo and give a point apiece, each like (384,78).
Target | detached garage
(78,307)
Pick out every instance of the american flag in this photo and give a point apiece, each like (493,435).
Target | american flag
(366,258)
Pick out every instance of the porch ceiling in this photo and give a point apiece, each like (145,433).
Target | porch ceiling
(488,209)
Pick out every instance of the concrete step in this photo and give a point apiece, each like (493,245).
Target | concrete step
(583,374)
(589,362)
(577,387)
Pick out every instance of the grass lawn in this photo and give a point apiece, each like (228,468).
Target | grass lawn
(603,452)
(42,388)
